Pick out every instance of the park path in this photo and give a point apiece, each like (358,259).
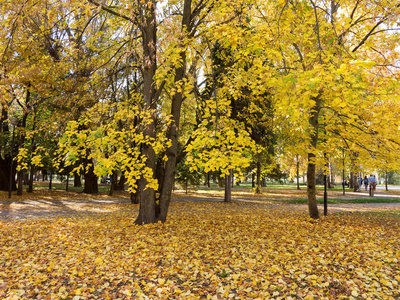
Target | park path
(13,210)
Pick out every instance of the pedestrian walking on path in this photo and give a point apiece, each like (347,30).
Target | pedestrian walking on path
(366,183)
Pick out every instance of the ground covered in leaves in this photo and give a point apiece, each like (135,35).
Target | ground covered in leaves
(206,250)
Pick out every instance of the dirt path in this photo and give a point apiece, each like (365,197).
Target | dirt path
(11,210)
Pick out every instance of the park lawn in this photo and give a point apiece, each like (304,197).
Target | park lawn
(205,250)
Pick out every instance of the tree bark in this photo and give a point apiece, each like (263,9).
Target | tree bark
(298,171)
(311,190)
(114,183)
(121,183)
(30,186)
(173,130)
(228,186)
(51,180)
(90,186)
(77,180)
(67,183)
(258,178)
(386,180)
(147,208)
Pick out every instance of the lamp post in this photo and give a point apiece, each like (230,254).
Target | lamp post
(14,122)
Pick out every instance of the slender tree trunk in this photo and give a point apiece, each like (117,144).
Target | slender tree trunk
(258,174)
(30,186)
(67,183)
(173,130)
(51,180)
(253,178)
(386,180)
(311,190)
(228,186)
(208,179)
(298,171)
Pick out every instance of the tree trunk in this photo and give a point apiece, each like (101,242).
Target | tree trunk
(228,186)
(44,175)
(258,179)
(253,178)
(351,181)
(30,186)
(173,130)
(51,180)
(5,166)
(298,171)
(114,183)
(311,190)
(20,180)
(90,186)
(386,180)
(121,183)
(147,208)
(67,183)
(208,179)
(135,197)
(77,180)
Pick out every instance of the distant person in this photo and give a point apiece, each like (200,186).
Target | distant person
(366,183)
(372,181)
(361,181)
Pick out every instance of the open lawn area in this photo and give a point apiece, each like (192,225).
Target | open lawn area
(207,249)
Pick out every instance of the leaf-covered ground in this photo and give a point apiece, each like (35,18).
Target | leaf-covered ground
(206,250)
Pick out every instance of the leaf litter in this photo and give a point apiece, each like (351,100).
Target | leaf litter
(205,250)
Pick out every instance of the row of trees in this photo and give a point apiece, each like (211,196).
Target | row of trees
(135,87)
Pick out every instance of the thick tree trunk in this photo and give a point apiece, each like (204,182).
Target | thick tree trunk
(208,179)
(5,168)
(90,186)
(20,180)
(121,183)
(77,180)
(228,187)
(114,183)
(311,190)
(135,197)
(147,208)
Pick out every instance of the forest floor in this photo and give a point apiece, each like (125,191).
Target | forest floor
(67,245)
(44,203)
